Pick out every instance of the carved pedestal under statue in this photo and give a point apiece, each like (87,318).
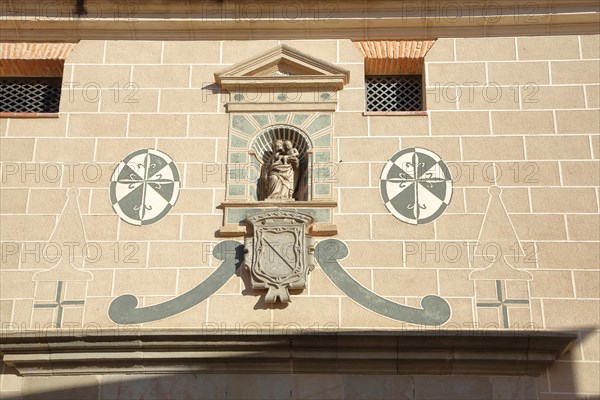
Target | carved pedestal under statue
(279,255)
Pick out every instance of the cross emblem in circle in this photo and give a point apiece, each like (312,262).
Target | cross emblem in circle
(416,186)
(144,187)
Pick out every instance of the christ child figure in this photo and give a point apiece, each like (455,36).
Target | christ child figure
(290,153)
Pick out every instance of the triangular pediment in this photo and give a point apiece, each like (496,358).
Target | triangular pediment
(282,65)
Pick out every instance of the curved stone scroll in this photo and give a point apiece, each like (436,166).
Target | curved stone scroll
(434,311)
(123,309)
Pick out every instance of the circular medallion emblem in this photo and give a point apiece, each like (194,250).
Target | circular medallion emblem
(144,187)
(416,185)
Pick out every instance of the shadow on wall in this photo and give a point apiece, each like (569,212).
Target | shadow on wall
(295,386)
(276,386)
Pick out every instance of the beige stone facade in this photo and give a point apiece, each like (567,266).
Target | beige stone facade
(518,113)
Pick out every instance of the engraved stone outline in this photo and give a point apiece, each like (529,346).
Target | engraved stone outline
(123,309)
(496,218)
(503,303)
(126,185)
(435,310)
(68,229)
(277,222)
(59,304)
(404,183)
(498,230)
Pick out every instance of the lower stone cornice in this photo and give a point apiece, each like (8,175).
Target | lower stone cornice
(430,352)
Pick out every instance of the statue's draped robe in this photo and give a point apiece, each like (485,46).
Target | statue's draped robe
(280,180)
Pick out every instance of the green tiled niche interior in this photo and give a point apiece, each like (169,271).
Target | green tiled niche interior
(299,119)
(237,142)
(280,118)
(244,128)
(319,123)
(238,158)
(263,120)
(239,174)
(241,123)
(323,156)
(323,189)
(237,190)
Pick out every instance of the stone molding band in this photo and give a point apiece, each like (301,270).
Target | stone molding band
(231,21)
(432,352)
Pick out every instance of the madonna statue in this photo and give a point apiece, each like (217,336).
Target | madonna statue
(281,171)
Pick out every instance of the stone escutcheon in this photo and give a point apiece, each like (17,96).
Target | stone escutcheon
(279,255)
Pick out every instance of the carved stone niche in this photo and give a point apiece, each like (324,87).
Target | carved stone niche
(280,95)
(279,255)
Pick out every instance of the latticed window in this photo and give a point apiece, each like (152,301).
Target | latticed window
(30,95)
(394,93)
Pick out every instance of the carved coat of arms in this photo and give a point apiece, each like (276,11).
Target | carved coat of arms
(279,255)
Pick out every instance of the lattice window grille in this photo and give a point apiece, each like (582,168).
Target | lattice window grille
(394,93)
(30,95)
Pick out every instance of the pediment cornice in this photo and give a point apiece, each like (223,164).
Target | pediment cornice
(282,65)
